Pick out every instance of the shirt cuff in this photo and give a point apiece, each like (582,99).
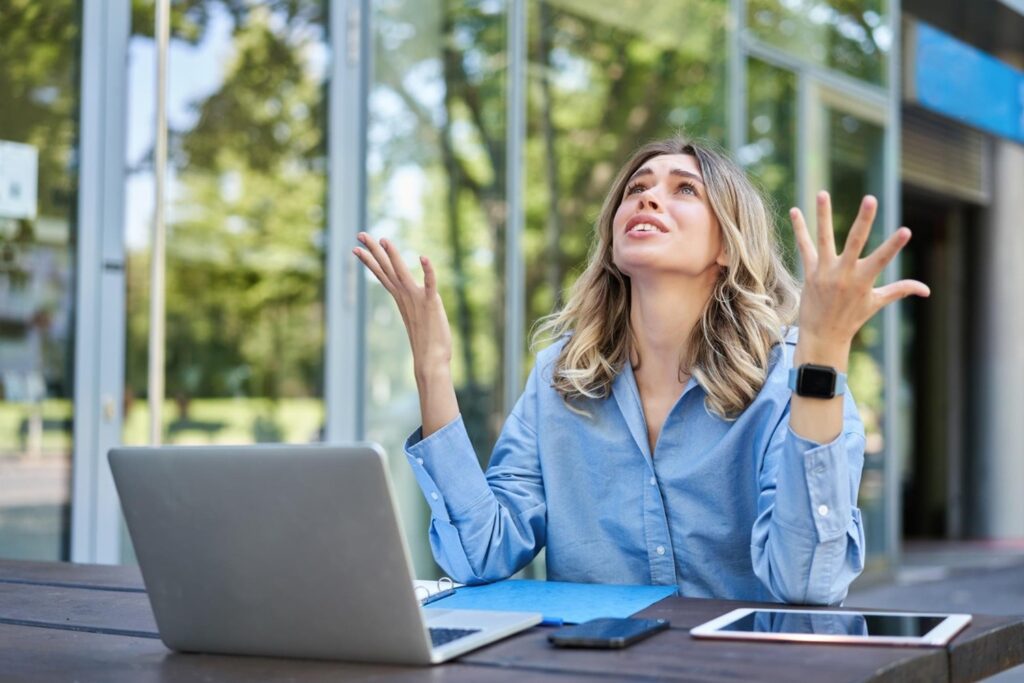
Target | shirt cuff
(815,478)
(446,469)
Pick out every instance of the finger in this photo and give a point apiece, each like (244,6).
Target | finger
(860,231)
(899,290)
(374,267)
(398,264)
(429,276)
(803,240)
(379,256)
(886,252)
(826,237)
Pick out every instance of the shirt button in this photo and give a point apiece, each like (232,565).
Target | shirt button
(419,461)
(433,494)
(660,550)
(654,482)
(823,510)
(820,469)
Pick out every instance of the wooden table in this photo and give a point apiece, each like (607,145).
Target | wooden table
(94,623)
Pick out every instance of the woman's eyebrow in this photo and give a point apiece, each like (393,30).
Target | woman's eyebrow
(686,174)
(646,170)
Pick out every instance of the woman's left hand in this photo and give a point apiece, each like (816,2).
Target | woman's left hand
(839,295)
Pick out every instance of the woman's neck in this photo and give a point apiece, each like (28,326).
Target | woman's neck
(663,314)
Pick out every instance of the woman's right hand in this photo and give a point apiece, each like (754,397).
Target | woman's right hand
(421,307)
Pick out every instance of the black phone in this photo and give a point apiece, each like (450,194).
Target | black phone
(607,633)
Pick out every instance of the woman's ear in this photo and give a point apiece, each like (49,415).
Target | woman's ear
(723,258)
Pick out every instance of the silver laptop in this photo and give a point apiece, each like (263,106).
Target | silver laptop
(290,551)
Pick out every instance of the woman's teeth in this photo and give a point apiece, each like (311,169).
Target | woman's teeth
(644,227)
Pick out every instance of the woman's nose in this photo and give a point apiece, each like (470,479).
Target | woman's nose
(648,201)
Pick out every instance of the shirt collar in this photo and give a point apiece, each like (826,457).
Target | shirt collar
(627,396)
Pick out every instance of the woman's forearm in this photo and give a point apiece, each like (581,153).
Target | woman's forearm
(818,419)
(438,405)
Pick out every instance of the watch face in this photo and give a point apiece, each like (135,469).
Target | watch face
(817,381)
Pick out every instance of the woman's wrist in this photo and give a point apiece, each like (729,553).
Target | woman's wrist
(820,350)
(432,372)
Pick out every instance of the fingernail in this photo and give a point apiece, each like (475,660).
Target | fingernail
(384,243)
(361,237)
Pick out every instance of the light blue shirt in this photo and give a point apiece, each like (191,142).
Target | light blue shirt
(742,509)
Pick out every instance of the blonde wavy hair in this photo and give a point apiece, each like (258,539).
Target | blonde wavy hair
(753,299)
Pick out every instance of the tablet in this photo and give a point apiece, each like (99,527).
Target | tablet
(823,626)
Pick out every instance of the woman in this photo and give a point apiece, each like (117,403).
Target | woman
(661,439)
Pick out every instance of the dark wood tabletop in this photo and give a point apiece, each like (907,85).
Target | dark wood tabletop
(94,623)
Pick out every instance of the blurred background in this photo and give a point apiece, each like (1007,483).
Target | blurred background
(485,134)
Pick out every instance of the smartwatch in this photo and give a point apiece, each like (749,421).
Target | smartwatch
(817,381)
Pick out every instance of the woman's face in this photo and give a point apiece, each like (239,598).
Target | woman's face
(664,224)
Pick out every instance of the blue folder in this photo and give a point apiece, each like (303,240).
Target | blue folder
(559,601)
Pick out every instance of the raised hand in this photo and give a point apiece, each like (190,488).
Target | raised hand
(426,324)
(839,295)
(420,305)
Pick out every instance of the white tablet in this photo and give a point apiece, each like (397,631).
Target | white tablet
(814,626)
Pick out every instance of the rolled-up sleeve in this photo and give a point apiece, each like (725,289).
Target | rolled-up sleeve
(483,527)
(807,544)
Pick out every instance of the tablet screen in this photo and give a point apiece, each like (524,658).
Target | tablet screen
(831,623)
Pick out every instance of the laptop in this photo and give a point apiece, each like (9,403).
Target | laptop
(285,551)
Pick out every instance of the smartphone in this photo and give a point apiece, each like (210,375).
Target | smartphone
(607,633)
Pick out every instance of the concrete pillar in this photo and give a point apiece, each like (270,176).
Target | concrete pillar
(998,473)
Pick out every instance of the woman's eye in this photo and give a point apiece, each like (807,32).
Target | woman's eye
(687,188)
(635,189)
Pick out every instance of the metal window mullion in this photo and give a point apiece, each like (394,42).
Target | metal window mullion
(737,85)
(157,257)
(348,92)
(867,93)
(99,277)
(515,144)
(891,314)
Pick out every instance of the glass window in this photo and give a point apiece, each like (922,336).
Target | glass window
(39,69)
(771,150)
(851,37)
(436,182)
(854,169)
(603,79)
(245,214)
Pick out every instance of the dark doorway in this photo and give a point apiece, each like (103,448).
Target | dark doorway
(935,336)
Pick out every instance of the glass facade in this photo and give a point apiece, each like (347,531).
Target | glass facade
(600,84)
(39,121)
(852,38)
(435,172)
(854,169)
(249,213)
(245,223)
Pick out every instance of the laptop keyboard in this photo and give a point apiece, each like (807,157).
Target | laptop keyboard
(442,636)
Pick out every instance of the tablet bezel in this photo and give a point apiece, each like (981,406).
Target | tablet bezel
(939,636)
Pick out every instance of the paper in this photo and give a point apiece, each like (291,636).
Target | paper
(19,172)
(558,601)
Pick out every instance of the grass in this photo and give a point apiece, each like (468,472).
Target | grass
(210,421)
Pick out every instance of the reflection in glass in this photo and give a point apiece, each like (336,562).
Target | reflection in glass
(39,69)
(436,183)
(604,78)
(855,153)
(770,153)
(820,623)
(245,216)
(852,37)
(835,624)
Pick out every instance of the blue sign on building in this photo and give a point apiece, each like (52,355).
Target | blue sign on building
(962,82)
